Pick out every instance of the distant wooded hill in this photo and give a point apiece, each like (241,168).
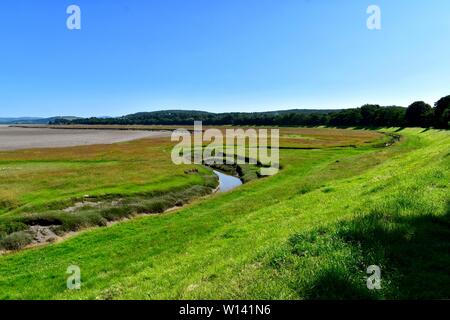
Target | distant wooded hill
(418,114)
(186,117)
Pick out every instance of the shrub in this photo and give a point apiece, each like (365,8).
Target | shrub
(16,240)
(7,228)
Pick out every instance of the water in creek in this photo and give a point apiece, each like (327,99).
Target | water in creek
(227,182)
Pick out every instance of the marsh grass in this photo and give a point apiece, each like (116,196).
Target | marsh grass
(13,234)
(40,180)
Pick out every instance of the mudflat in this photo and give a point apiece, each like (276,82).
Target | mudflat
(16,138)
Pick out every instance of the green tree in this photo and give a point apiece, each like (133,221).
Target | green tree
(419,114)
(442,112)
(369,114)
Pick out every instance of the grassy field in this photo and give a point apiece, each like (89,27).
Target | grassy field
(341,202)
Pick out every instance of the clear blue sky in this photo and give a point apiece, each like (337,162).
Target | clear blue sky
(219,55)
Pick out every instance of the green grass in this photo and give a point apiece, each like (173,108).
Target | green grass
(307,233)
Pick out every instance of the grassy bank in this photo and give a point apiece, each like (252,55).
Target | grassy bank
(308,232)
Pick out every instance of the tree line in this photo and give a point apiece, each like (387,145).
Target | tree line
(418,114)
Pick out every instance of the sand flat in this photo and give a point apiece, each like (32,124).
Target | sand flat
(15,138)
